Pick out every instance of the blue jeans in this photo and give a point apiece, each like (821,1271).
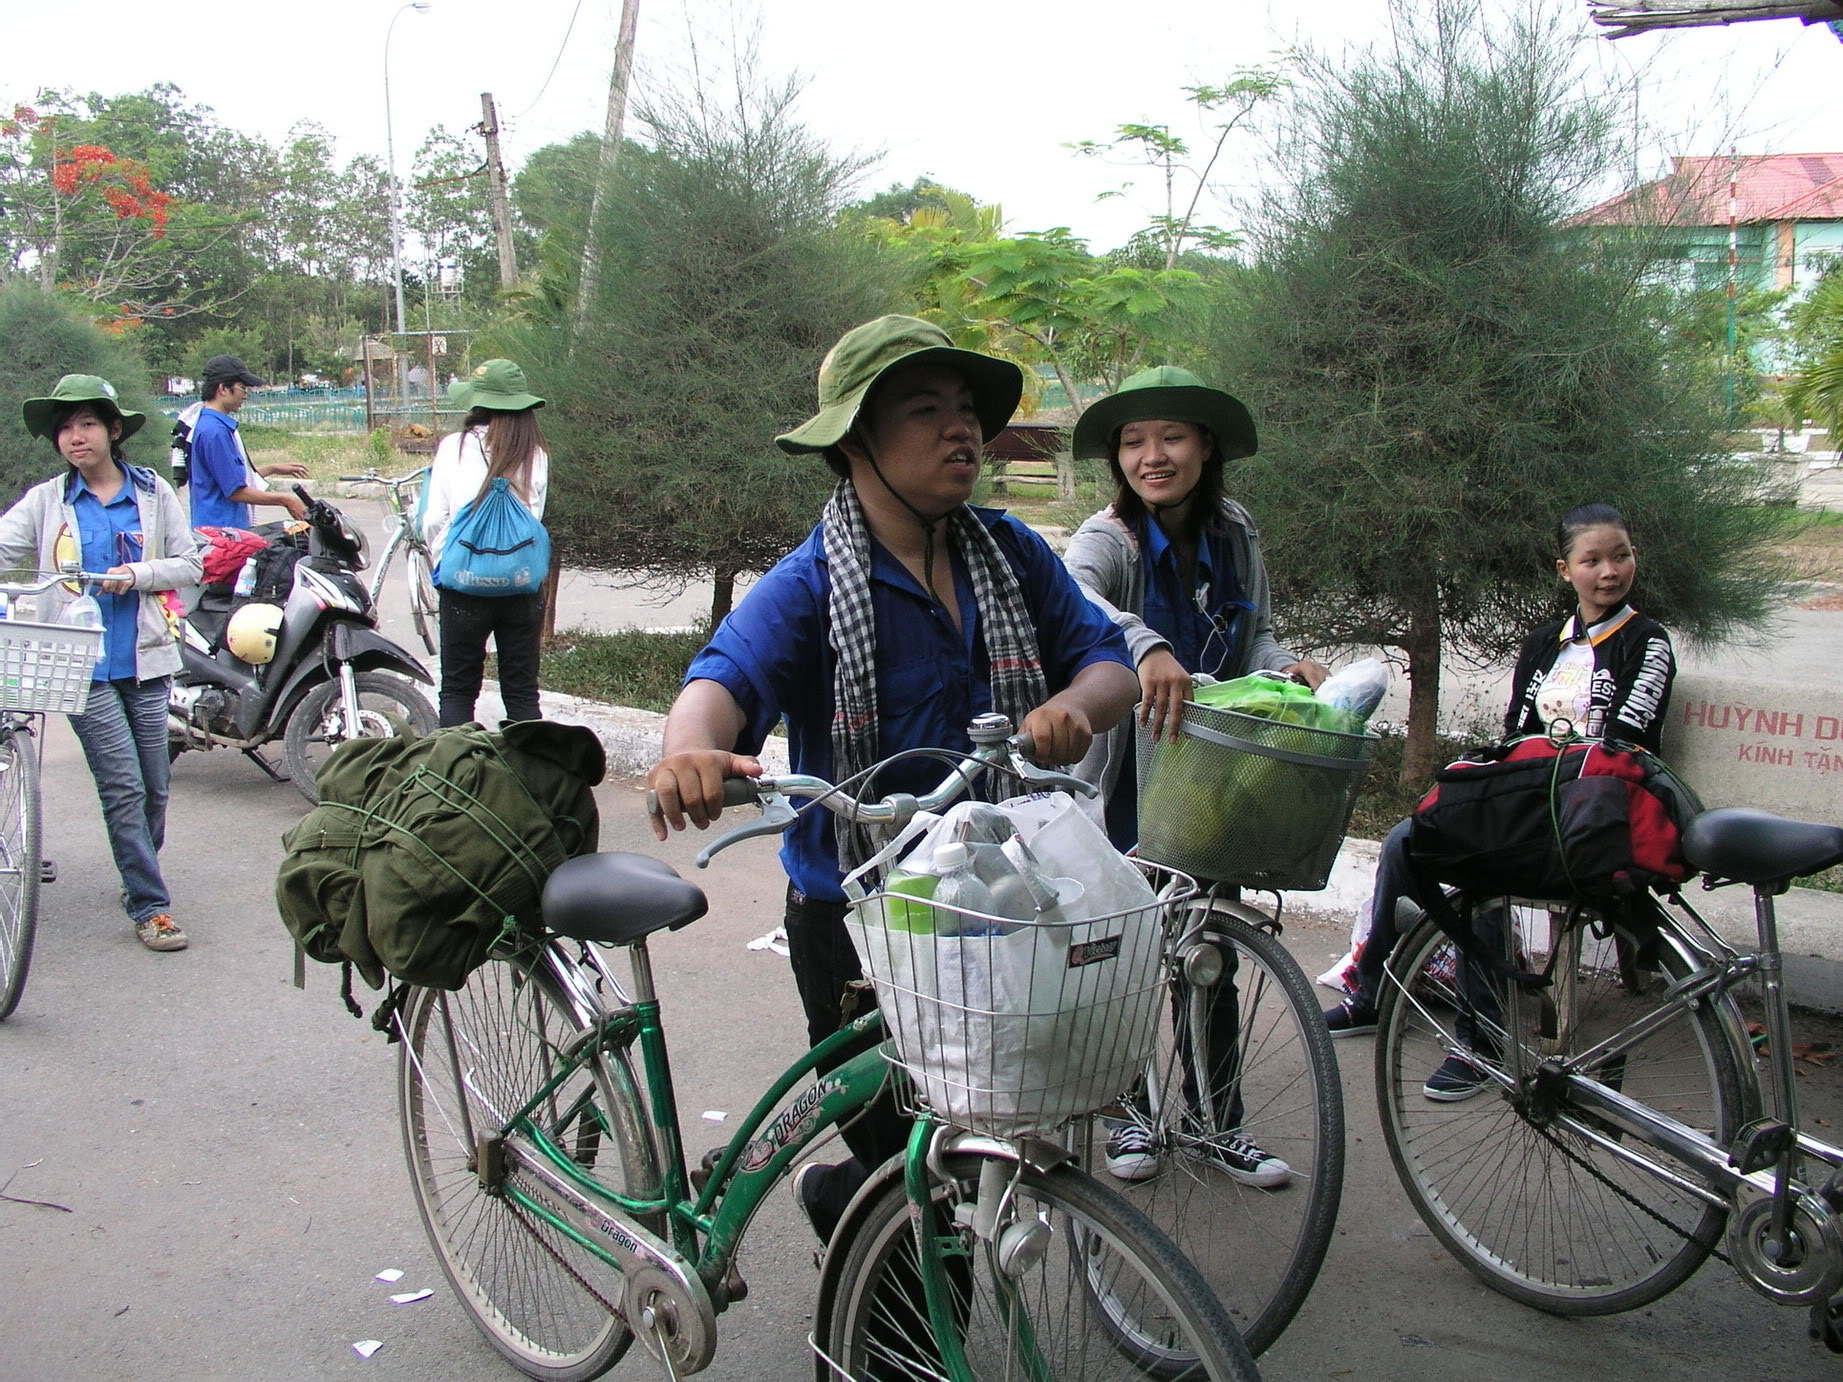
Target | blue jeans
(123,733)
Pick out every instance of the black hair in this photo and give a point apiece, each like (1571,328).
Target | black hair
(1582,517)
(212,386)
(98,408)
(1204,514)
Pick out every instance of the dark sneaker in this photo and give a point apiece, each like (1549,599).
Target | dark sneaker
(1456,1079)
(159,933)
(823,1192)
(1131,1153)
(1246,1161)
(1350,1018)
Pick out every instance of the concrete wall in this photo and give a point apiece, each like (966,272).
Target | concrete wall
(1744,741)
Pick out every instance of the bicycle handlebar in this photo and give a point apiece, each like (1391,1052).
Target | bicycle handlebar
(375,477)
(994,746)
(85,577)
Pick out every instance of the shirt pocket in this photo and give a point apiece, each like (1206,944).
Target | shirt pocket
(909,706)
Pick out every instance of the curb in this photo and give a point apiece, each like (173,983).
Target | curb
(1810,920)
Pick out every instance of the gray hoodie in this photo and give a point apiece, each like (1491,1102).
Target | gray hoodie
(1104,558)
(29,533)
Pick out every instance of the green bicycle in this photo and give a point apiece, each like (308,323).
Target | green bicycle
(551,1177)
(401,493)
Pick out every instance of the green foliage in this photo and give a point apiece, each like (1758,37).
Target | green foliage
(47,337)
(1438,373)
(724,281)
(382,454)
(635,667)
(1816,392)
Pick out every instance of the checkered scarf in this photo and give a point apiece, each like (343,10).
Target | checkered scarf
(1004,627)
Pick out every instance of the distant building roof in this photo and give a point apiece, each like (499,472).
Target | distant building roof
(1768,187)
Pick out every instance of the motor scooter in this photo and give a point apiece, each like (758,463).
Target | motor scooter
(333,676)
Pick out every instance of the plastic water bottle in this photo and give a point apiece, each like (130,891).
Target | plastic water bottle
(6,604)
(1358,688)
(84,613)
(961,887)
(901,914)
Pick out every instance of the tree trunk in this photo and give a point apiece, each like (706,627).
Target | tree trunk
(1422,645)
(722,596)
(610,156)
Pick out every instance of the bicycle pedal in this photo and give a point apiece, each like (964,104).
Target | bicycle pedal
(702,1172)
(47,871)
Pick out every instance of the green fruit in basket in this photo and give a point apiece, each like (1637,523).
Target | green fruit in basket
(899,914)
(1238,814)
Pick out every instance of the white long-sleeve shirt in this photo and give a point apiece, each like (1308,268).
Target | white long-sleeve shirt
(455,477)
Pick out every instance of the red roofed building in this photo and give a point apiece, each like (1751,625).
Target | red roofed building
(1787,211)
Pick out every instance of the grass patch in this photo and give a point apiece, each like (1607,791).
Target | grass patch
(326,455)
(635,667)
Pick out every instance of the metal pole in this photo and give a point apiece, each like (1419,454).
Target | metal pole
(390,155)
(1734,260)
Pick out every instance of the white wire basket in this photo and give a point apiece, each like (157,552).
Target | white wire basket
(46,668)
(1014,1034)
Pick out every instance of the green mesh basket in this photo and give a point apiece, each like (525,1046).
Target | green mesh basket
(1240,799)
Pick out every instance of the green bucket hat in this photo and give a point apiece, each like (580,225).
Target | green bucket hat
(1170,394)
(77,388)
(498,385)
(866,353)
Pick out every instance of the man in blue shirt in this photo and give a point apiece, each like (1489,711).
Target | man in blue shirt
(220,477)
(905,614)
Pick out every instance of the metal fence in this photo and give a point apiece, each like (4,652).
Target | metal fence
(294,410)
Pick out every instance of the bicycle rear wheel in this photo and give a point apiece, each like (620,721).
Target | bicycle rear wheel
(1540,1204)
(19,861)
(423,604)
(1105,1276)
(1260,1249)
(470,1059)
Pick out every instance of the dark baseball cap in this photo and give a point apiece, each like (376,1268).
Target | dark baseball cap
(220,369)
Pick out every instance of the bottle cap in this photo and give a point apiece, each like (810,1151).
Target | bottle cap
(949,856)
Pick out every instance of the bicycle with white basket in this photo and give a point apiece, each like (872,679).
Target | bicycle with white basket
(552,1179)
(44,670)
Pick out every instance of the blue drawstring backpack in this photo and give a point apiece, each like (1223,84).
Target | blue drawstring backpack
(495,547)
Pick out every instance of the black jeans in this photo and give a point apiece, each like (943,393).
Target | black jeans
(514,623)
(824,966)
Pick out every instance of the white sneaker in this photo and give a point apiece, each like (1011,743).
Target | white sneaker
(1131,1153)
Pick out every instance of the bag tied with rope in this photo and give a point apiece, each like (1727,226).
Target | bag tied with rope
(427,853)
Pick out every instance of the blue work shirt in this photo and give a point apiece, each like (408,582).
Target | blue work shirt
(217,471)
(774,655)
(1204,625)
(110,535)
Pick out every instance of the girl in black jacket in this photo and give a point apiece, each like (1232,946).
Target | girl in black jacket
(1606,669)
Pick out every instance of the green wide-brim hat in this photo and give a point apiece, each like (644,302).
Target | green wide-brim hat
(499,385)
(866,353)
(77,388)
(1168,394)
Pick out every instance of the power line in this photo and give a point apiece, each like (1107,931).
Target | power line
(568,30)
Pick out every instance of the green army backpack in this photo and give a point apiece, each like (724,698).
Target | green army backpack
(425,854)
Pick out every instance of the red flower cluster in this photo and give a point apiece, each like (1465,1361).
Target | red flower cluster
(89,164)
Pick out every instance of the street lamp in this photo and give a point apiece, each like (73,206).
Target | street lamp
(390,153)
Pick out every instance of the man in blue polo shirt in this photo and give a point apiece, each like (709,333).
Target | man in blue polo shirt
(908,609)
(220,478)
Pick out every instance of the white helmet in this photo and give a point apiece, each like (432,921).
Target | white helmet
(252,630)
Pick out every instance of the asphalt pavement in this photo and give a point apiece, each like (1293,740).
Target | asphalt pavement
(203,1172)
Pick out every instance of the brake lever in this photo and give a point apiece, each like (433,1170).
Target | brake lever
(1047,778)
(777,814)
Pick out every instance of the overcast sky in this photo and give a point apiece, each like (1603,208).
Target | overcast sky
(980,94)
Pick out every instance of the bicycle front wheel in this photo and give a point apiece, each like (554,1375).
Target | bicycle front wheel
(1243,1111)
(19,862)
(471,1059)
(1535,1196)
(1070,1276)
(423,604)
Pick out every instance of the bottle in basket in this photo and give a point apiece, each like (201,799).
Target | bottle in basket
(961,887)
(84,613)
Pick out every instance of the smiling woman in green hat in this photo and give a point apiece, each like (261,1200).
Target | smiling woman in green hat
(499,437)
(1177,566)
(905,614)
(123,520)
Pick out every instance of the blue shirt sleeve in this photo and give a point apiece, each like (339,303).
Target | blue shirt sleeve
(771,652)
(215,456)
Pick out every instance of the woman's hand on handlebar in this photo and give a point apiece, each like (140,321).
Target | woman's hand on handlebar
(689,786)
(1311,673)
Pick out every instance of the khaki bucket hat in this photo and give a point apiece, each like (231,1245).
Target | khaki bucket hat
(866,353)
(498,385)
(1167,393)
(77,388)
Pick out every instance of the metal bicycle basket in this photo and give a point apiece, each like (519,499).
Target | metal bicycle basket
(1015,1033)
(1242,799)
(46,668)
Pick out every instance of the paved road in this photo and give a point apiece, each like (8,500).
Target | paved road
(227,1151)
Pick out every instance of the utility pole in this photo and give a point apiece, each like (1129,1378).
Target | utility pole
(611,153)
(496,188)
